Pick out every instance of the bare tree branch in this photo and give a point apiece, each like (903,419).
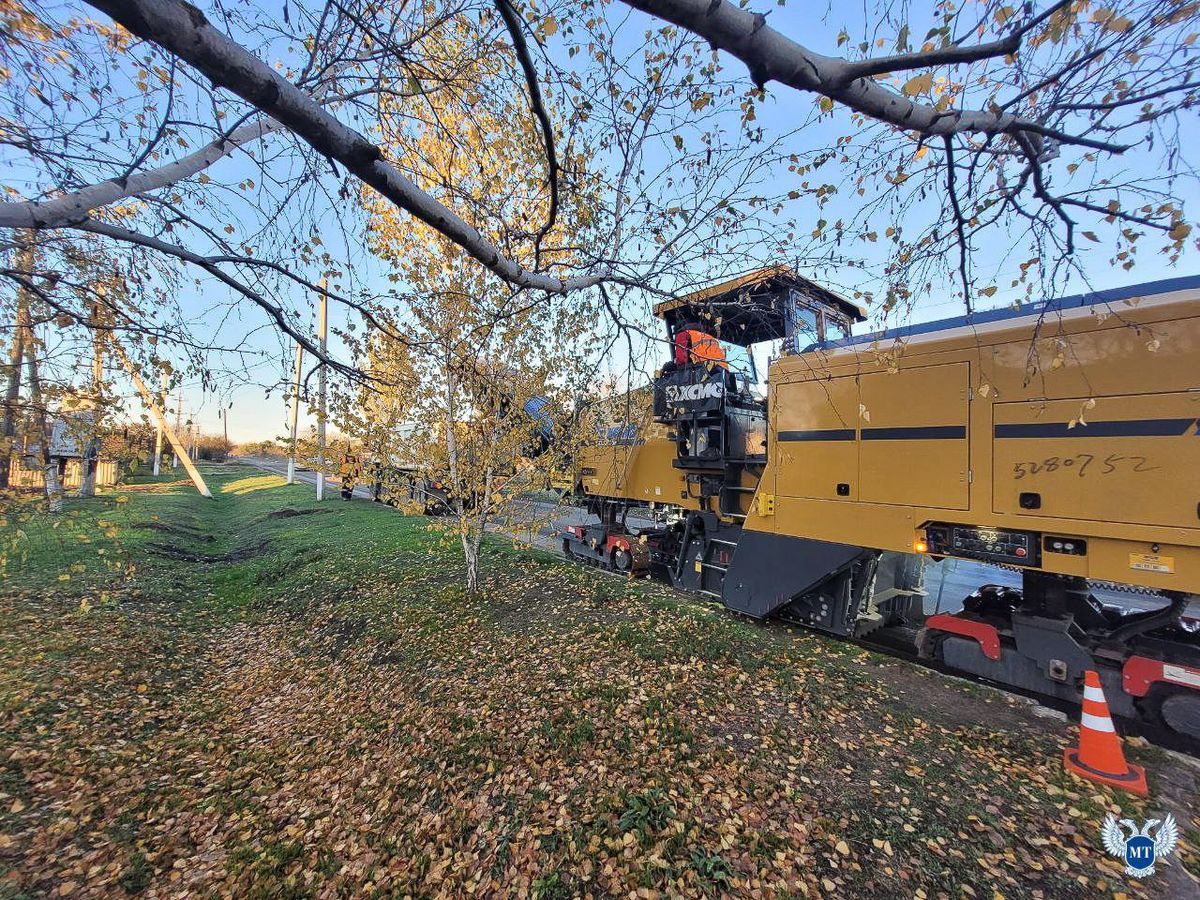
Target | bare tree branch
(513,22)
(272,309)
(71,207)
(952,190)
(772,56)
(183,30)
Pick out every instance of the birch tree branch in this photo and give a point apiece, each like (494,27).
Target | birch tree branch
(79,204)
(772,56)
(948,56)
(955,54)
(183,30)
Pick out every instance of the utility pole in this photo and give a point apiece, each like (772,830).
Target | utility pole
(158,431)
(323,336)
(160,416)
(291,470)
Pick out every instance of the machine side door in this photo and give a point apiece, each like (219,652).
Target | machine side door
(1134,459)
(914,440)
(814,438)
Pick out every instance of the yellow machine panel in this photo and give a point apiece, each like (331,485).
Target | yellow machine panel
(965,430)
(915,421)
(634,472)
(810,417)
(1131,460)
(843,438)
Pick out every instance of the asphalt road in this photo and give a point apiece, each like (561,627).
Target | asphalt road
(947,583)
(278,466)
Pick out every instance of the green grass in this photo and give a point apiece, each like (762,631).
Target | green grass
(711,868)
(256,541)
(135,877)
(647,813)
(551,886)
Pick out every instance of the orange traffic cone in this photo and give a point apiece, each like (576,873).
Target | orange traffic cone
(1099,756)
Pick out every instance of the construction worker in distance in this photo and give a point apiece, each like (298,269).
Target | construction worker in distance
(694,346)
(349,471)
(376,481)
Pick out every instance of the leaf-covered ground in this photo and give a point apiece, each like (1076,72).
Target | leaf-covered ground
(271,699)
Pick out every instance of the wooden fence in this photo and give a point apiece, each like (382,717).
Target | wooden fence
(22,477)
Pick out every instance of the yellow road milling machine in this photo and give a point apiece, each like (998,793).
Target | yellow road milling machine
(1059,440)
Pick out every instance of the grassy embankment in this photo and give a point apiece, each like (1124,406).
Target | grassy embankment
(268,698)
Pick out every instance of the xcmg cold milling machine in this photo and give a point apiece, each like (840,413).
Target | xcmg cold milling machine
(1056,440)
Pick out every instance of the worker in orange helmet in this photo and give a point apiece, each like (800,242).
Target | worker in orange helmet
(695,346)
(350,470)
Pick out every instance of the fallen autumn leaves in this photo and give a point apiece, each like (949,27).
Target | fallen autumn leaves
(332,716)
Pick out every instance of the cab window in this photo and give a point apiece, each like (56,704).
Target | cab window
(836,328)
(740,362)
(806,328)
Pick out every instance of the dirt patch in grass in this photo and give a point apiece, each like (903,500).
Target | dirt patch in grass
(339,633)
(928,693)
(290,512)
(186,531)
(239,554)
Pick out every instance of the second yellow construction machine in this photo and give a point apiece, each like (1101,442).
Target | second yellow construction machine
(1058,439)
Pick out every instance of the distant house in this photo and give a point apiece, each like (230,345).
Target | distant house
(68,445)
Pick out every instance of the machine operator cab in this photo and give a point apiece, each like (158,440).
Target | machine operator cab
(707,391)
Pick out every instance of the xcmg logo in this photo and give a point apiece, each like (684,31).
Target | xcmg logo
(677,393)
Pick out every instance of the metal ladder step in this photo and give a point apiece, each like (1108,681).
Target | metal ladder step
(719,568)
(708,593)
(723,541)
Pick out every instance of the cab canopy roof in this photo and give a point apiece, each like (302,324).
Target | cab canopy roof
(751,308)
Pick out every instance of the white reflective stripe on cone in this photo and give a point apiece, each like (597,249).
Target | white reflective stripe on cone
(1096,723)
(1091,693)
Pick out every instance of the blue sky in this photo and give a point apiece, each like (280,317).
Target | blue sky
(254,415)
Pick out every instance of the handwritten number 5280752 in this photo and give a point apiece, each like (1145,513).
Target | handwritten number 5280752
(1081,464)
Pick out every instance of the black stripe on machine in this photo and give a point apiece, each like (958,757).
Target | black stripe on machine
(818,434)
(1129,428)
(915,433)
